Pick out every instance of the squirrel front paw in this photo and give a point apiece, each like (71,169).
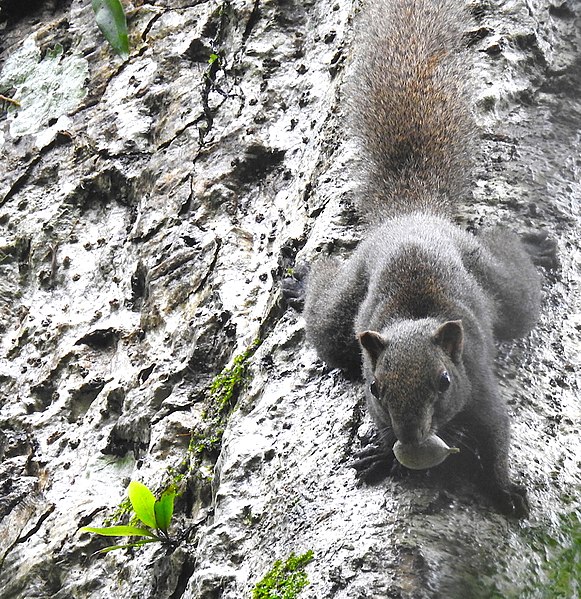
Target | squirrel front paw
(542,249)
(373,464)
(294,287)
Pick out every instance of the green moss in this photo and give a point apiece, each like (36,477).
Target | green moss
(194,472)
(563,567)
(175,476)
(205,444)
(120,513)
(226,386)
(284,580)
(562,559)
(206,438)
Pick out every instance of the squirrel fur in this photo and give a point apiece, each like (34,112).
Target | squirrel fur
(417,307)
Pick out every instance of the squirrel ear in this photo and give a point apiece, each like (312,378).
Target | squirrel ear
(372,342)
(450,337)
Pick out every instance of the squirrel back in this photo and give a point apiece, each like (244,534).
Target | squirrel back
(410,106)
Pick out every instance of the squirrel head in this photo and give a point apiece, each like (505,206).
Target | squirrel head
(416,381)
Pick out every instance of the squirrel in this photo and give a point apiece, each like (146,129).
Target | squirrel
(417,307)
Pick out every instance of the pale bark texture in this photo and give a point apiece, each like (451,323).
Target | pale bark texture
(149,210)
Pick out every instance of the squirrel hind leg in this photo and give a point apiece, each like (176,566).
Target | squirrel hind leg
(542,249)
(512,501)
(507,272)
(294,288)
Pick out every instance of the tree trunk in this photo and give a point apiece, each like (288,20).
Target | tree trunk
(149,210)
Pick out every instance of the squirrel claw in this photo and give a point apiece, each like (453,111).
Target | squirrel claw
(374,464)
(294,293)
(513,501)
(293,287)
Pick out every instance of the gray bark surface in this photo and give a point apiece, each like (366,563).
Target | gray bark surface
(148,212)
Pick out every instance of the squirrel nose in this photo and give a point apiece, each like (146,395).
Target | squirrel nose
(410,434)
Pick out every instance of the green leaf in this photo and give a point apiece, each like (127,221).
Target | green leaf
(127,545)
(143,502)
(164,509)
(111,20)
(119,531)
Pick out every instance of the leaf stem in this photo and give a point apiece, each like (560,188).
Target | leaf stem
(4,98)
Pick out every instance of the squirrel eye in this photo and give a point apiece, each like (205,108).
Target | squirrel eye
(444,381)
(374,388)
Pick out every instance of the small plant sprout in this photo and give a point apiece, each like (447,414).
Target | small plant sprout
(214,58)
(154,514)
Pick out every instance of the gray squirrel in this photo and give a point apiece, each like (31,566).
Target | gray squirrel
(418,305)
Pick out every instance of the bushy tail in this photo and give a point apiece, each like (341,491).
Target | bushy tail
(410,105)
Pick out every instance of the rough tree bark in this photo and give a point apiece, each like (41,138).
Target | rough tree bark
(148,212)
